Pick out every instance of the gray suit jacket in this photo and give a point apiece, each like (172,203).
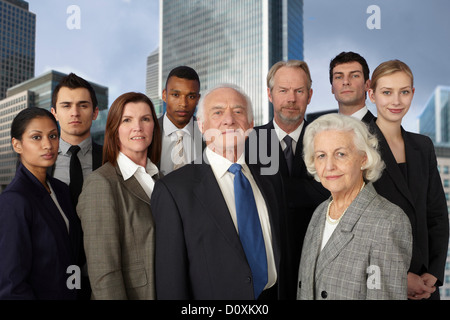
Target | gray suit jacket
(366,257)
(119,235)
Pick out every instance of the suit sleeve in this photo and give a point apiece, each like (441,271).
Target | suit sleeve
(15,248)
(390,259)
(100,222)
(171,261)
(437,221)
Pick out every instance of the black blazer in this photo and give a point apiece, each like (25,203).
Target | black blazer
(35,247)
(368,117)
(422,198)
(198,251)
(302,193)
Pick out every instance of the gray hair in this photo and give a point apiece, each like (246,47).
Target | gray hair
(201,104)
(363,140)
(289,64)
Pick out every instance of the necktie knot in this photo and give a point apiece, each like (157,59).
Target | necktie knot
(235,168)
(74,150)
(288,140)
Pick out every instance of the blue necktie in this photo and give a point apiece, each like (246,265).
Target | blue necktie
(249,228)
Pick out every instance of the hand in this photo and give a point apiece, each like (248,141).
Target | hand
(418,288)
(429,279)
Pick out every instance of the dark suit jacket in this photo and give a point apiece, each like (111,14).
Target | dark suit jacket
(422,198)
(368,117)
(302,193)
(35,246)
(198,251)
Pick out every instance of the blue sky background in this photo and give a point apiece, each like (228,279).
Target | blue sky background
(116,36)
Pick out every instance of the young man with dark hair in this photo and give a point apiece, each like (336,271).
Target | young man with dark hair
(349,78)
(181,95)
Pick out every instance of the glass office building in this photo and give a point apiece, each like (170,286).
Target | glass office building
(231,41)
(434,121)
(17,43)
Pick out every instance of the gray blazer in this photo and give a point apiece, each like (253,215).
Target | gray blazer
(119,236)
(366,257)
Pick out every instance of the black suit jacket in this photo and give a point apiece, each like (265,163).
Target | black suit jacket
(198,251)
(368,117)
(422,198)
(35,246)
(302,193)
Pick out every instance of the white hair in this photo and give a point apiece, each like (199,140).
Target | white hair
(201,104)
(363,140)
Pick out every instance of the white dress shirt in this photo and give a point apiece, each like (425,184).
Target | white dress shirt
(225,179)
(169,138)
(144,176)
(295,135)
(360,113)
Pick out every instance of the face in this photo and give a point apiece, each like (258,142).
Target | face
(136,131)
(392,96)
(38,148)
(74,112)
(290,95)
(337,161)
(225,120)
(348,84)
(181,97)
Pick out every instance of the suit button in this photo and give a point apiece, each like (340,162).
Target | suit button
(324,294)
(249,280)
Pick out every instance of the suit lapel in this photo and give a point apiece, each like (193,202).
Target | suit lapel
(210,196)
(414,166)
(344,231)
(392,168)
(133,186)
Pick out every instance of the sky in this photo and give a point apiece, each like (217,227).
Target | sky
(108,42)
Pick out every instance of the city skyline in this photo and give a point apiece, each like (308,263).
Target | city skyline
(115,38)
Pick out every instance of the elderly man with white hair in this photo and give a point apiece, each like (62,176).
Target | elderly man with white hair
(220,223)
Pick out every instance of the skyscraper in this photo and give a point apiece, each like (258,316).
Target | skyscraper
(434,121)
(17,43)
(152,88)
(231,41)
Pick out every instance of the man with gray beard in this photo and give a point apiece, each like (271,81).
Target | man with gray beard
(289,90)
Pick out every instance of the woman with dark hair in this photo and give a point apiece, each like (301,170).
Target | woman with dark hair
(114,206)
(40,234)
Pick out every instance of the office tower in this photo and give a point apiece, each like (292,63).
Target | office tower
(443,160)
(152,88)
(231,41)
(434,120)
(17,43)
(37,92)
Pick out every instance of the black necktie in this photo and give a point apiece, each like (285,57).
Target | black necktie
(76,175)
(288,152)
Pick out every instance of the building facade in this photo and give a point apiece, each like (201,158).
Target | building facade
(231,41)
(17,43)
(37,92)
(153,89)
(434,120)
(443,159)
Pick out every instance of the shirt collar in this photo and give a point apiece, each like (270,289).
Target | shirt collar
(128,168)
(294,134)
(220,165)
(85,146)
(360,113)
(170,128)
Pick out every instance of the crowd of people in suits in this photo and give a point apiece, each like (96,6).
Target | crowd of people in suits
(183,207)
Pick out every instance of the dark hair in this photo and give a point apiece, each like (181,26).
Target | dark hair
(346,57)
(183,72)
(24,117)
(111,143)
(73,81)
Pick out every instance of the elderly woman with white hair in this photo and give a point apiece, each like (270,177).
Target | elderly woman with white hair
(358,244)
